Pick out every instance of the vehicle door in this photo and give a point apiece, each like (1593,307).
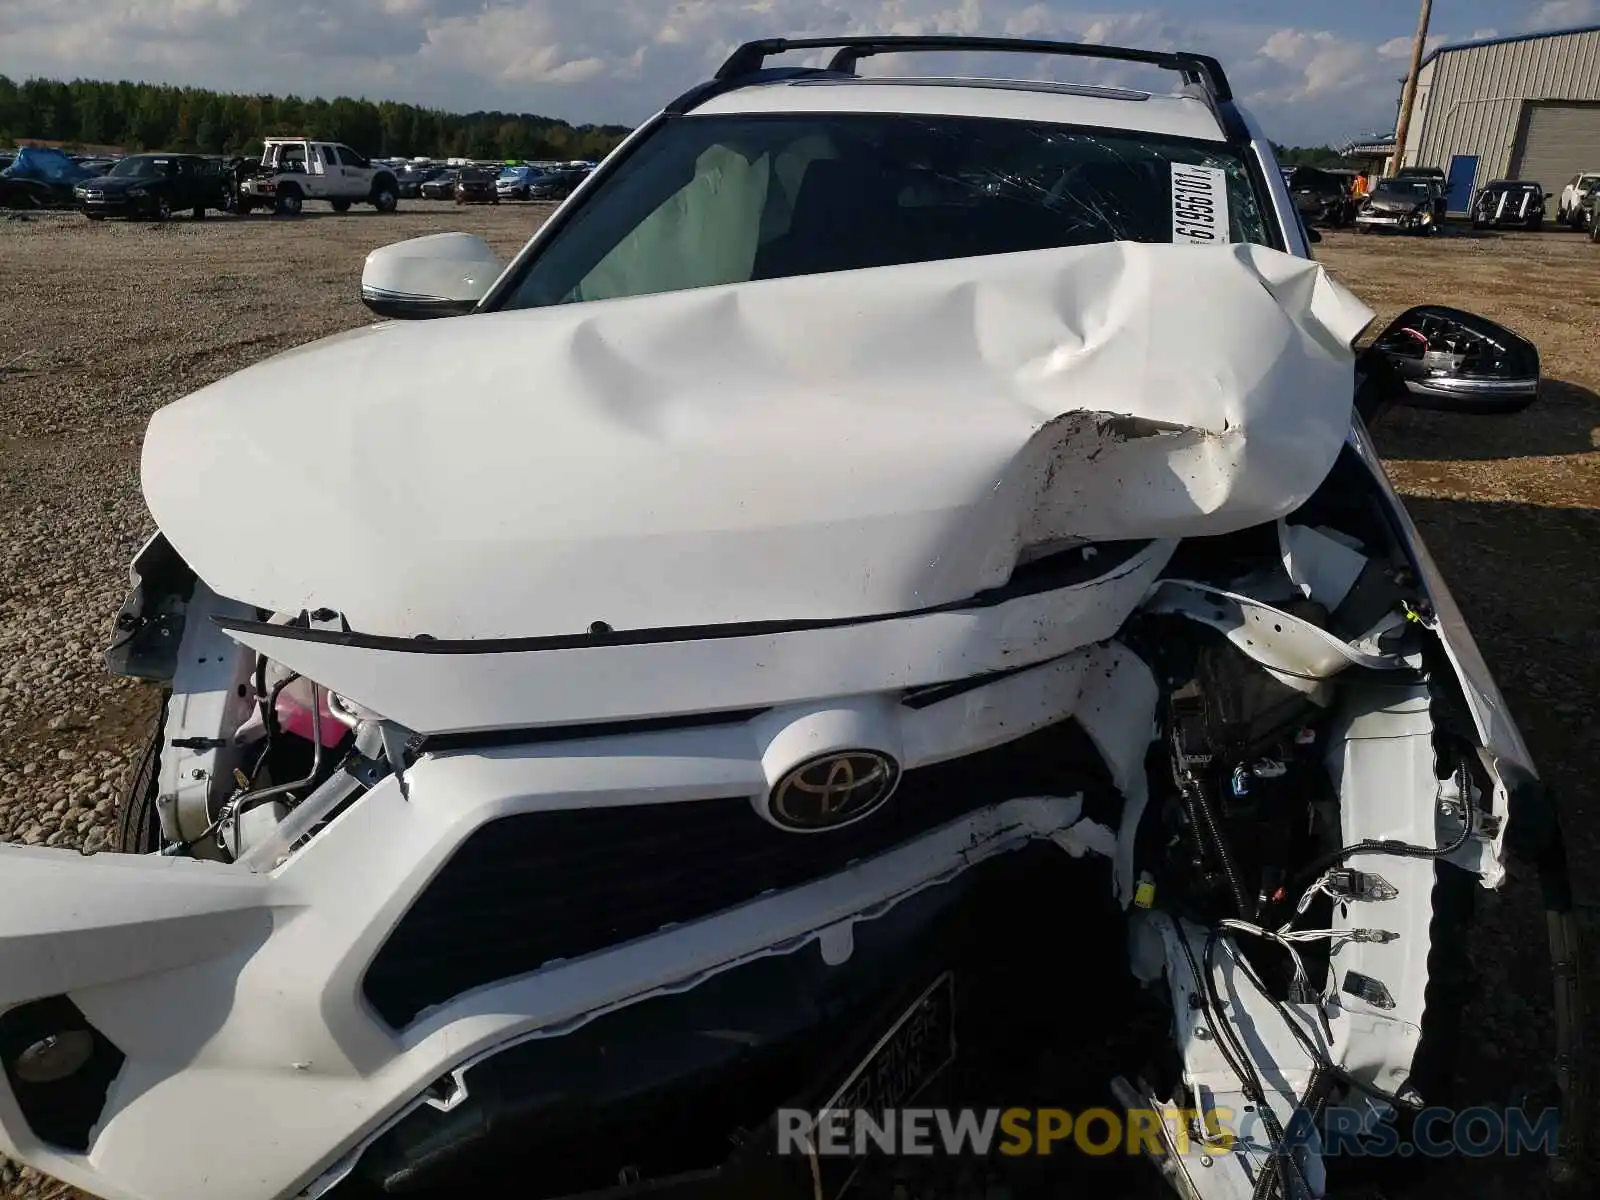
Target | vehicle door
(189,185)
(322,171)
(353,173)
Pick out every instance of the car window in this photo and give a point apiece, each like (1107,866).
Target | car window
(136,167)
(715,200)
(349,158)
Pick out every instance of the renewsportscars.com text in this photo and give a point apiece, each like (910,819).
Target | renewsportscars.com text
(951,1132)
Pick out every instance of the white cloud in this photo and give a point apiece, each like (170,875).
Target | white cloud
(618,60)
(1400,47)
(1555,13)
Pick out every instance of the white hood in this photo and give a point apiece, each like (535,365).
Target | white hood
(830,446)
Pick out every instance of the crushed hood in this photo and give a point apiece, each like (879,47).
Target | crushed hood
(823,447)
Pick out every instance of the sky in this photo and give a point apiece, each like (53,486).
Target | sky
(1312,72)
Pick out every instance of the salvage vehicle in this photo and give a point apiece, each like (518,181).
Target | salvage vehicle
(40,177)
(894,613)
(294,170)
(1321,197)
(1411,205)
(1509,203)
(153,187)
(1573,207)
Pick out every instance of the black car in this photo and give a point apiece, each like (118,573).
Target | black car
(441,187)
(557,185)
(1321,198)
(154,186)
(1514,203)
(475,185)
(412,181)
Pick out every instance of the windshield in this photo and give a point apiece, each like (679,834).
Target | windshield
(1406,189)
(718,200)
(143,167)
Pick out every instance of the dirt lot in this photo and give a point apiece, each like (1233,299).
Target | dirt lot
(103,324)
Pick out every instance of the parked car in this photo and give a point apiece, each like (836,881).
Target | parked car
(1573,207)
(1322,198)
(412,180)
(475,185)
(154,187)
(1411,204)
(441,186)
(1509,203)
(739,658)
(557,185)
(514,182)
(40,177)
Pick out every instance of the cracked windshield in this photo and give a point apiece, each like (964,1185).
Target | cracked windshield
(717,200)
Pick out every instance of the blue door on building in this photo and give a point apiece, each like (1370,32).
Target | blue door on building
(1463,170)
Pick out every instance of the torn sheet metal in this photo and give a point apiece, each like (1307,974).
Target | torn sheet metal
(1277,640)
(1323,563)
(820,447)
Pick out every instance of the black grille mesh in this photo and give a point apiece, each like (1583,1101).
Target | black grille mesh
(526,890)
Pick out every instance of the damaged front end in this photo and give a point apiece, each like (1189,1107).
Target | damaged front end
(614,771)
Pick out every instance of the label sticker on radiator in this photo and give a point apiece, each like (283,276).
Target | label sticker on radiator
(1199,205)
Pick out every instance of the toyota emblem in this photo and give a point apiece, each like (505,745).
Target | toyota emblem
(836,789)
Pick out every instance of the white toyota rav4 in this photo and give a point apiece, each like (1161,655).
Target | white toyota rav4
(934,610)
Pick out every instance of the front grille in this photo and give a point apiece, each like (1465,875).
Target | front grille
(527,890)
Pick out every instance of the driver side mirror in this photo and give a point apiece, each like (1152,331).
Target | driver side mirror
(441,275)
(1448,359)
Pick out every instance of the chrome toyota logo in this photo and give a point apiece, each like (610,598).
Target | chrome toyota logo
(834,790)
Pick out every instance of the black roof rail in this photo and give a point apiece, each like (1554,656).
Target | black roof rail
(1200,69)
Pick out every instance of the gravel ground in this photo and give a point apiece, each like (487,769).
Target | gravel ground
(106,323)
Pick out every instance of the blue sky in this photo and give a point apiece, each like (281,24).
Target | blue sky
(1313,72)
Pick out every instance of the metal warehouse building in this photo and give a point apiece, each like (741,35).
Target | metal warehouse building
(1509,108)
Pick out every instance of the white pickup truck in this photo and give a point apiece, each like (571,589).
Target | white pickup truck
(294,170)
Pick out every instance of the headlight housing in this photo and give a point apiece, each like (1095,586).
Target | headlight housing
(138,193)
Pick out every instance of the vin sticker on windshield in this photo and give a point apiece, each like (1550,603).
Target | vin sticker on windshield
(1199,205)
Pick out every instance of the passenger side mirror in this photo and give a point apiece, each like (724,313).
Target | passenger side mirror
(1448,359)
(1313,234)
(441,275)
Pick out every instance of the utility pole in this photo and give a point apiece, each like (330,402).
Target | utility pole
(1408,96)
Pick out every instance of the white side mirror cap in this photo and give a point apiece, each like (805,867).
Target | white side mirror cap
(441,275)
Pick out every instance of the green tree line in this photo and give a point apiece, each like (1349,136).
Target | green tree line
(1309,156)
(147,116)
